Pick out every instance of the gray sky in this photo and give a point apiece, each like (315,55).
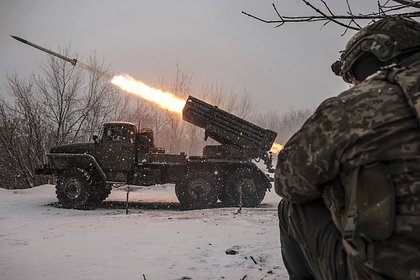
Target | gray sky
(210,39)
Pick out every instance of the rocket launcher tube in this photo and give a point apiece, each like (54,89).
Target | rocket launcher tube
(227,128)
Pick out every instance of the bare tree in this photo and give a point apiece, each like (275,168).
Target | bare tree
(347,19)
(173,126)
(285,124)
(24,138)
(292,121)
(102,101)
(60,84)
(75,104)
(59,105)
(271,120)
(241,105)
(238,104)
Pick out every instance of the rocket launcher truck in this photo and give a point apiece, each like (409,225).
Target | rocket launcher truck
(125,155)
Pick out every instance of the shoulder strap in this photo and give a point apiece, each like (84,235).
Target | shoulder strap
(349,231)
(350,216)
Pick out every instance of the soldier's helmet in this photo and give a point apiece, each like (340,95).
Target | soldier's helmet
(386,39)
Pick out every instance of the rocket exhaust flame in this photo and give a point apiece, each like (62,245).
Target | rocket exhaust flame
(165,100)
(276,148)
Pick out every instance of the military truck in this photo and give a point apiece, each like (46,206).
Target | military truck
(124,155)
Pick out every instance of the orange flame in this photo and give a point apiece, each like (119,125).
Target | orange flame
(276,148)
(165,100)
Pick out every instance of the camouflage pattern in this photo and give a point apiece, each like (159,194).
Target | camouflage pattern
(409,82)
(369,123)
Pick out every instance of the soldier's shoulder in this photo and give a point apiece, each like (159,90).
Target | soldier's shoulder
(376,86)
(352,93)
(372,90)
(334,102)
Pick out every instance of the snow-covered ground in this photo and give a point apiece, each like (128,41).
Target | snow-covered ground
(154,241)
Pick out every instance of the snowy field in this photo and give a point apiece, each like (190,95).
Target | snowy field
(155,241)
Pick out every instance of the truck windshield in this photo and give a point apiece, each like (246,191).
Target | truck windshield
(120,133)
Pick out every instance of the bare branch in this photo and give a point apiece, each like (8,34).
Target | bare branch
(415,4)
(348,7)
(333,19)
(328,8)
(405,8)
(277,12)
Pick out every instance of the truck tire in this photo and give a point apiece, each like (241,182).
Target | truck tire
(250,182)
(197,190)
(100,191)
(74,188)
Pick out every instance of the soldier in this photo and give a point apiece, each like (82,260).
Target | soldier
(350,177)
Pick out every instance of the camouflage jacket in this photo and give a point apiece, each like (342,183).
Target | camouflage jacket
(371,122)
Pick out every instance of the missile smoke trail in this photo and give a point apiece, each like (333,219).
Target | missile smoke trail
(165,100)
(94,70)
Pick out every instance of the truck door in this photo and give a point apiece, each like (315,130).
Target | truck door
(116,150)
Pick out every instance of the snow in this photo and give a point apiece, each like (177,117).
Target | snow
(156,240)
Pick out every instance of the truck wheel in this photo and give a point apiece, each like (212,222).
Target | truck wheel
(100,191)
(247,181)
(197,190)
(73,188)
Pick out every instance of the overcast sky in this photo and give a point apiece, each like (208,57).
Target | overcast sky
(210,39)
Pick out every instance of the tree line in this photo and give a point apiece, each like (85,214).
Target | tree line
(63,104)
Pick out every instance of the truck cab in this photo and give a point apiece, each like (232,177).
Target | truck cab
(115,150)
